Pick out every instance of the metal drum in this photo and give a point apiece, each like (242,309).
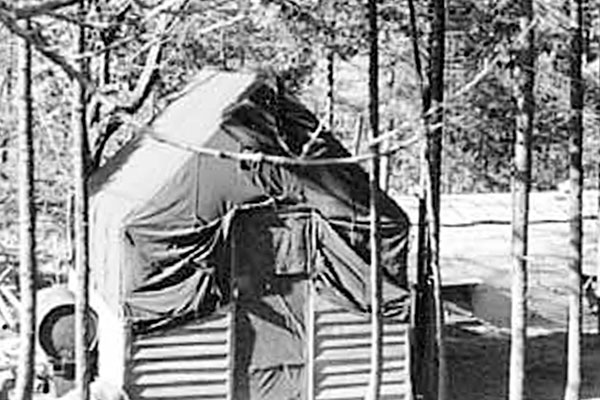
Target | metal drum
(56,324)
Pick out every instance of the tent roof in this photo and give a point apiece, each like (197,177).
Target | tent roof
(160,216)
(144,165)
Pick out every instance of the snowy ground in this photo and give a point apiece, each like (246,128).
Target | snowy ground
(475,247)
(478,365)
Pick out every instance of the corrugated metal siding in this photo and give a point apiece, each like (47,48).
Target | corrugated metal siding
(193,361)
(342,364)
(187,362)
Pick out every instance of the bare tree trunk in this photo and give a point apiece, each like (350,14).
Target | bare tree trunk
(386,161)
(385,166)
(598,252)
(376,319)
(572,390)
(435,118)
(426,371)
(426,357)
(223,49)
(79,127)
(523,91)
(331,68)
(9,107)
(27,262)
(331,88)
(357,135)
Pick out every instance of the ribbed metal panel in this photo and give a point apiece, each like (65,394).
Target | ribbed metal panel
(187,362)
(342,365)
(193,361)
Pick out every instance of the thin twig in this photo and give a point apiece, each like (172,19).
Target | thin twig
(313,137)
(396,132)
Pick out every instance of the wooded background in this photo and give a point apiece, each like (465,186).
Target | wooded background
(140,52)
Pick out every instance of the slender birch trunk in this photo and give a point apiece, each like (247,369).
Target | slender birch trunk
(523,91)
(80,151)
(376,319)
(573,385)
(27,262)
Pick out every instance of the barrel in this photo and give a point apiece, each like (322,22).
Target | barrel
(56,324)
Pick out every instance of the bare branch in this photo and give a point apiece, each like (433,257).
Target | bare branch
(145,81)
(79,21)
(29,11)
(141,4)
(204,31)
(280,160)
(106,132)
(489,64)
(151,67)
(136,98)
(143,88)
(292,9)
(40,45)
(313,137)
(162,6)
(397,132)
(114,45)
(222,24)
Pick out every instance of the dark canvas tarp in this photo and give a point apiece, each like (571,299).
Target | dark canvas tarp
(173,230)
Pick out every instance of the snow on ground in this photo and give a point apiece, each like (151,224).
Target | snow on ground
(478,365)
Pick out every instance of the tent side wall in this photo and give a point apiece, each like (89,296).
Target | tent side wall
(114,335)
(105,290)
(112,254)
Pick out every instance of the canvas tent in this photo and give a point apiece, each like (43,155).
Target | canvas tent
(177,235)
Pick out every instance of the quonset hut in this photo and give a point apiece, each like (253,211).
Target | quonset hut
(216,278)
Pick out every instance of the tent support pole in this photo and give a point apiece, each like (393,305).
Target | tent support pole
(311,339)
(232,311)
(311,317)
